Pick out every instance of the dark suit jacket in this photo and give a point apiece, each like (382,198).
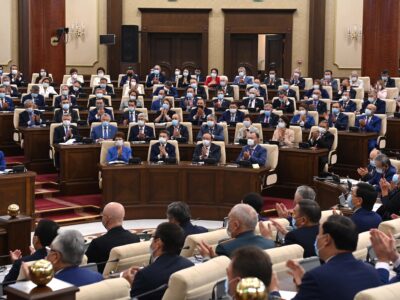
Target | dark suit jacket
(199,121)
(133,135)
(272,121)
(155,151)
(244,239)
(156,274)
(39,100)
(92,102)
(24,118)
(215,152)
(97,132)
(73,92)
(305,237)
(93,113)
(78,276)
(200,92)
(365,219)
(10,103)
(190,229)
(217,132)
(374,177)
(14,271)
(374,124)
(182,129)
(226,117)
(342,121)
(390,83)
(2,161)
(321,106)
(380,106)
(59,134)
(286,108)
(331,281)
(390,205)
(58,99)
(227,89)
(59,113)
(384,274)
(150,78)
(301,83)
(324,142)
(126,78)
(224,105)
(109,90)
(353,92)
(349,106)
(126,114)
(259,155)
(170,113)
(273,84)
(186,84)
(171,92)
(100,248)
(324,93)
(258,104)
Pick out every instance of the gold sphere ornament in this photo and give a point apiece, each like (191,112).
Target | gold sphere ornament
(13,210)
(41,272)
(251,288)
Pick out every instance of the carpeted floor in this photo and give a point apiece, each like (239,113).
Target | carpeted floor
(270,202)
(42,204)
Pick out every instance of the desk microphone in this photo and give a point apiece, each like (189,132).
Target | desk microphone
(160,288)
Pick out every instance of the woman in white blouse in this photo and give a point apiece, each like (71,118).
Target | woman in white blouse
(283,134)
(45,89)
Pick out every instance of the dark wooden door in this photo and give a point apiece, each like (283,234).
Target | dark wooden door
(244,52)
(275,52)
(170,50)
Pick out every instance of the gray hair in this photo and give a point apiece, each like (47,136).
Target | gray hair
(306,192)
(71,245)
(106,115)
(246,215)
(383,159)
(28,102)
(211,116)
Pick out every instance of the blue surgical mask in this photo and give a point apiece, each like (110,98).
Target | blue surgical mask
(395,178)
(367,112)
(193,85)
(165,106)
(175,122)
(220,96)
(2,95)
(256,85)
(105,123)
(285,86)
(156,71)
(189,95)
(379,170)
(34,95)
(99,95)
(65,106)
(316,247)
(294,223)
(349,201)
(103,85)
(372,163)
(210,123)
(335,110)
(267,113)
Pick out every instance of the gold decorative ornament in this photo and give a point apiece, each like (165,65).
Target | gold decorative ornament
(251,288)
(41,272)
(13,210)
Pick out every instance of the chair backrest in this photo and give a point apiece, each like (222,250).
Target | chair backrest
(358,102)
(225,128)
(207,92)
(17,111)
(67,76)
(328,104)
(245,111)
(359,92)
(284,253)
(362,245)
(125,100)
(325,214)
(223,151)
(106,98)
(272,156)
(390,106)
(291,98)
(329,90)
(277,112)
(191,283)
(156,86)
(367,82)
(308,83)
(95,79)
(297,90)
(105,145)
(28,89)
(52,127)
(235,92)
(109,108)
(397,82)
(131,124)
(392,226)
(395,163)
(352,118)
(189,127)
(172,142)
(298,133)
(115,288)
(315,115)
(120,78)
(392,93)
(385,292)
(178,111)
(95,124)
(34,76)
(240,125)
(383,124)
(212,238)
(124,257)
(282,221)
(332,130)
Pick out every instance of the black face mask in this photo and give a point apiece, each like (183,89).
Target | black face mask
(129,73)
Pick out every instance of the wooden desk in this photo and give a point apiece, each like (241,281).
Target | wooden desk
(328,193)
(18,189)
(7,144)
(146,189)
(392,134)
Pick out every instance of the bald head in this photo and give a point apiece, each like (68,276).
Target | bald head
(242,217)
(113,215)
(374,153)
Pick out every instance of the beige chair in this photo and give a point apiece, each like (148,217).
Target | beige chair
(95,79)
(298,134)
(396,163)
(277,112)
(236,93)
(105,145)
(381,140)
(125,100)
(328,104)
(352,118)
(222,160)
(156,86)
(362,246)
(240,125)
(392,226)
(212,238)
(328,89)
(390,105)
(109,84)
(332,156)
(359,92)
(315,115)
(308,83)
(36,75)
(392,93)
(282,221)
(95,124)
(192,284)
(297,90)
(271,164)
(325,214)
(178,111)
(172,142)
(207,92)
(385,292)
(17,135)
(124,257)
(134,124)
(367,83)
(51,137)
(120,78)
(284,253)
(397,82)
(106,98)
(28,89)
(115,288)
(126,89)
(67,76)
(358,103)
(189,127)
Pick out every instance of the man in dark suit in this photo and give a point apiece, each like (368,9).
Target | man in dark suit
(162,150)
(346,86)
(369,123)
(179,213)
(100,248)
(225,87)
(199,114)
(220,102)
(387,80)
(199,90)
(337,118)
(383,168)
(66,254)
(363,197)
(373,99)
(45,232)
(2,161)
(390,198)
(242,221)
(189,100)
(66,109)
(165,260)
(105,131)
(322,139)
(6,103)
(347,104)
(261,92)
(65,95)
(96,114)
(298,80)
(342,276)
(316,104)
(99,95)
(130,74)
(197,74)
(107,89)
(156,77)
(233,115)
(369,172)
(252,103)
(76,89)
(216,131)
(141,132)
(306,216)
(253,152)
(130,115)
(272,80)
(30,116)
(268,118)
(177,130)
(35,97)
(66,131)
(168,88)
(283,103)
(207,150)
(328,80)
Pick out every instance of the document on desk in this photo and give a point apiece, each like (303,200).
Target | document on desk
(287,295)
(69,142)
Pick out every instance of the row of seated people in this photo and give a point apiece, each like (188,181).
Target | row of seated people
(334,239)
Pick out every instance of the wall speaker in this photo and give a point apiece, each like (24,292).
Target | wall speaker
(129,43)
(107,39)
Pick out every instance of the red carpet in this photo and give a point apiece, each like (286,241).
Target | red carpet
(47,177)
(42,204)
(270,202)
(14,159)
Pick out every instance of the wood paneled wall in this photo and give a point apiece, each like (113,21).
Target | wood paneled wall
(316,39)
(38,22)
(114,23)
(381,42)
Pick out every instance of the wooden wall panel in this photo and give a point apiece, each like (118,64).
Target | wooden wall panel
(316,41)
(114,23)
(381,31)
(38,22)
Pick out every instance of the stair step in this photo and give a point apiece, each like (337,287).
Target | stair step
(42,191)
(71,215)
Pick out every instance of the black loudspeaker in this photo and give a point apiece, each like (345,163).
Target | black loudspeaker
(129,43)
(107,39)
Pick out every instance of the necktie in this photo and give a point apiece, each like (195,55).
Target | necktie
(131,117)
(105,134)
(1,103)
(251,151)
(366,120)
(232,118)
(141,129)
(266,120)
(66,129)
(315,103)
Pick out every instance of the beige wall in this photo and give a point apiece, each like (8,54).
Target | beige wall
(341,55)
(132,16)
(9,33)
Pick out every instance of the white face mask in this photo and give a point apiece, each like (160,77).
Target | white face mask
(241,73)
(100,74)
(281,125)
(64,92)
(45,84)
(315,97)
(119,143)
(140,123)
(250,142)
(232,110)
(74,76)
(213,75)
(206,143)
(177,73)
(316,87)
(353,78)
(321,130)
(66,123)
(302,112)
(247,124)
(162,140)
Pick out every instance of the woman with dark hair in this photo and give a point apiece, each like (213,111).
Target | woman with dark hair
(283,134)
(43,74)
(213,79)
